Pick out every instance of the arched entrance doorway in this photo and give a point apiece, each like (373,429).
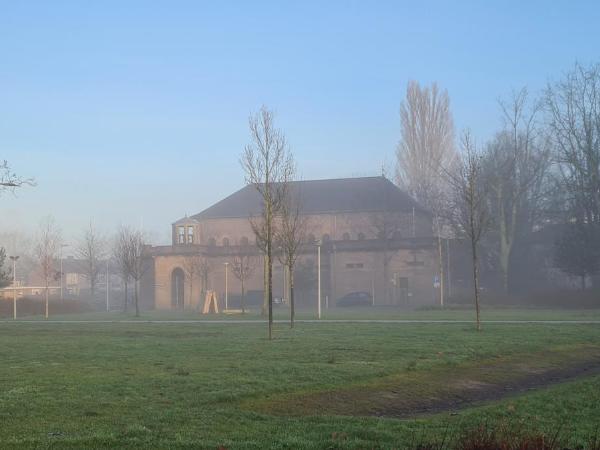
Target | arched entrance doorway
(177,288)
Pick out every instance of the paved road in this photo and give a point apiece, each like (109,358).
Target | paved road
(328,321)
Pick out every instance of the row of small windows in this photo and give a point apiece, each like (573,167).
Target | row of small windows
(185,235)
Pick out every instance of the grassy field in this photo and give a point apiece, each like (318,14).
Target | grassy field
(107,385)
(357,313)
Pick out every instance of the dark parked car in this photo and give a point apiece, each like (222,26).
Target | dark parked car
(355,299)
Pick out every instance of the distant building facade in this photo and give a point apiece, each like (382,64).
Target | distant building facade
(373,238)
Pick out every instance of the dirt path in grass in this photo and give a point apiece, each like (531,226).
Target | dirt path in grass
(472,391)
(416,393)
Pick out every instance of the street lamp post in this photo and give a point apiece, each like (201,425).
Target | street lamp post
(226,286)
(14,260)
(318,279)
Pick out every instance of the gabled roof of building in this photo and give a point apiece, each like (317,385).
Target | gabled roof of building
(344,195)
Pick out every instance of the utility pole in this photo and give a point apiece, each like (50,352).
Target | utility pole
(319,279)
(226,286)
(14,260)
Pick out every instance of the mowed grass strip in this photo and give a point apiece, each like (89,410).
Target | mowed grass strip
(180,386)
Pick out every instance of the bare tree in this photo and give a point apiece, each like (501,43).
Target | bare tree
(574,106)
(192,267)
(121,256)
(6,276)
(259,229)
(137,268)
(268,164)
(291,234)
(90,249)
(46,251)
(10,180)
(243,268)
(574,111)
(469,208)
(516,164)
(425,150)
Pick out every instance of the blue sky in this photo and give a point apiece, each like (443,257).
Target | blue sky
(136,112)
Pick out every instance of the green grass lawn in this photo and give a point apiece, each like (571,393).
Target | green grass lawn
(200,386)
(361,313)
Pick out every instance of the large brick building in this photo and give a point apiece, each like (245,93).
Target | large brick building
(373,237)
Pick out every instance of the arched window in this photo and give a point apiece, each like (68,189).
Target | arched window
(361,236)
(346,236)
(225,242)
(212,242)
(244,240)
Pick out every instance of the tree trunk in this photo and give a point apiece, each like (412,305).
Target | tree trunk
(441,264)
(270,270)
(292,306)
(137,308)
(243,297)
(47,301)
(125,298)
(265,305)
(504,262)
(476,282)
